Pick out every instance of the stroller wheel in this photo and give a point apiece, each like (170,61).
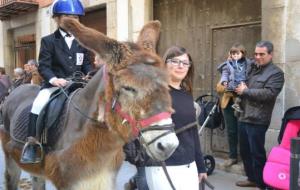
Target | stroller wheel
(209,163)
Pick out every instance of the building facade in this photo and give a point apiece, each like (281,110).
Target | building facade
(207,28)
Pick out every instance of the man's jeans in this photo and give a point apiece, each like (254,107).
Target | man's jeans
(253,153)
(232,130)
(140,179)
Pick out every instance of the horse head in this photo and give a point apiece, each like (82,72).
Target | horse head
(136,100)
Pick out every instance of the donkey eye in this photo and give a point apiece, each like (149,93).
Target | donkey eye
(129,89)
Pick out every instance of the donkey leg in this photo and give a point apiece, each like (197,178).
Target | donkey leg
(12,173)
(38,183)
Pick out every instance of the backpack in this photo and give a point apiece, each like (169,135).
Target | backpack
(216,120)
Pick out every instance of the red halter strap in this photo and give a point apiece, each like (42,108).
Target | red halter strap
(143,122)
(133,123)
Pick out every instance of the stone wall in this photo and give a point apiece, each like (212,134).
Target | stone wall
(292,54)
(273,29)
(280,25)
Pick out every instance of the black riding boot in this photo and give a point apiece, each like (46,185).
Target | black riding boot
(30,148)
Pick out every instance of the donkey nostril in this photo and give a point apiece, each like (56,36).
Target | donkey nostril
(160,147)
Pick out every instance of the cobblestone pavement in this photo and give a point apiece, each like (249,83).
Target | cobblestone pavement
(220,179)
(124,175)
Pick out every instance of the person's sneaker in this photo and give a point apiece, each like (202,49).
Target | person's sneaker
(230,162)
(237,108)
(245,183)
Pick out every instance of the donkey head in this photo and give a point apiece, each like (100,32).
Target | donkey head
(138,83)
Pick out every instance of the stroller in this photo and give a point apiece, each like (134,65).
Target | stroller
(277,169)
(211,117)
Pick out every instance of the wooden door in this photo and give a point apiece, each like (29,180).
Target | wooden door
(207,29)
(24,49)
(95,19)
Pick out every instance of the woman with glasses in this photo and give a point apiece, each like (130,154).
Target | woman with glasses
(185,166)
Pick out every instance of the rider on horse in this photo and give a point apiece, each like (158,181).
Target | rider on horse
(60,56)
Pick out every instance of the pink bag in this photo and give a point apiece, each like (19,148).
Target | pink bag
(277,169)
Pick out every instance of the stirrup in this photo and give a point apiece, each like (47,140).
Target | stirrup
(32,141)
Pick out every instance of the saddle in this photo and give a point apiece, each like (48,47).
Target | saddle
(50,115)
(50,121)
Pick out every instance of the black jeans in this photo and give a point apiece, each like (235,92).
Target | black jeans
(232,130)
(253,153)
(140,179)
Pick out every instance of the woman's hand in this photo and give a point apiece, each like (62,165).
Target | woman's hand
(202,176)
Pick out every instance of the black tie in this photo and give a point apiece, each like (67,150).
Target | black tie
(68,35)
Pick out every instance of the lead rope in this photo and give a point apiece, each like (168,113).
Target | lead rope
(186,127)
(163,165)
(78,109)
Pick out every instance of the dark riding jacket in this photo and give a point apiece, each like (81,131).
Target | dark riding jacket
(57,60)
(264,84)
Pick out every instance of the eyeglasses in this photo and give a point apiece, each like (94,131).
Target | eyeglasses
(259,54)
(177,62)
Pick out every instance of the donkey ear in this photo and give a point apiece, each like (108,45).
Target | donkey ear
(149,36)
(111,51)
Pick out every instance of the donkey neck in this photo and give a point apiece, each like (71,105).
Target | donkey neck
(95,86)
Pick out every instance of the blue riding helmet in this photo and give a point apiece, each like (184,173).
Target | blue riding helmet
(67,7)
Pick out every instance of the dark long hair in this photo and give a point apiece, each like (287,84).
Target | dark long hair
(238,47)
(175,51)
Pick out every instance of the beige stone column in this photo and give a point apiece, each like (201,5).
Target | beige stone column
(273,26)
(292,54)
(123,15)
(111,8)
(280,24)
(7,45)
(1,45)
(45,25)
(141,13)
(274,29)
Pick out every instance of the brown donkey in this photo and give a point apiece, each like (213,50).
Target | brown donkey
(128,97)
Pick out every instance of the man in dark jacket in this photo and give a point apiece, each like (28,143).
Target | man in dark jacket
(263,84)
(60,56)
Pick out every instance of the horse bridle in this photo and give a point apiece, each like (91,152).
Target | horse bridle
(138,126)
(141,126)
